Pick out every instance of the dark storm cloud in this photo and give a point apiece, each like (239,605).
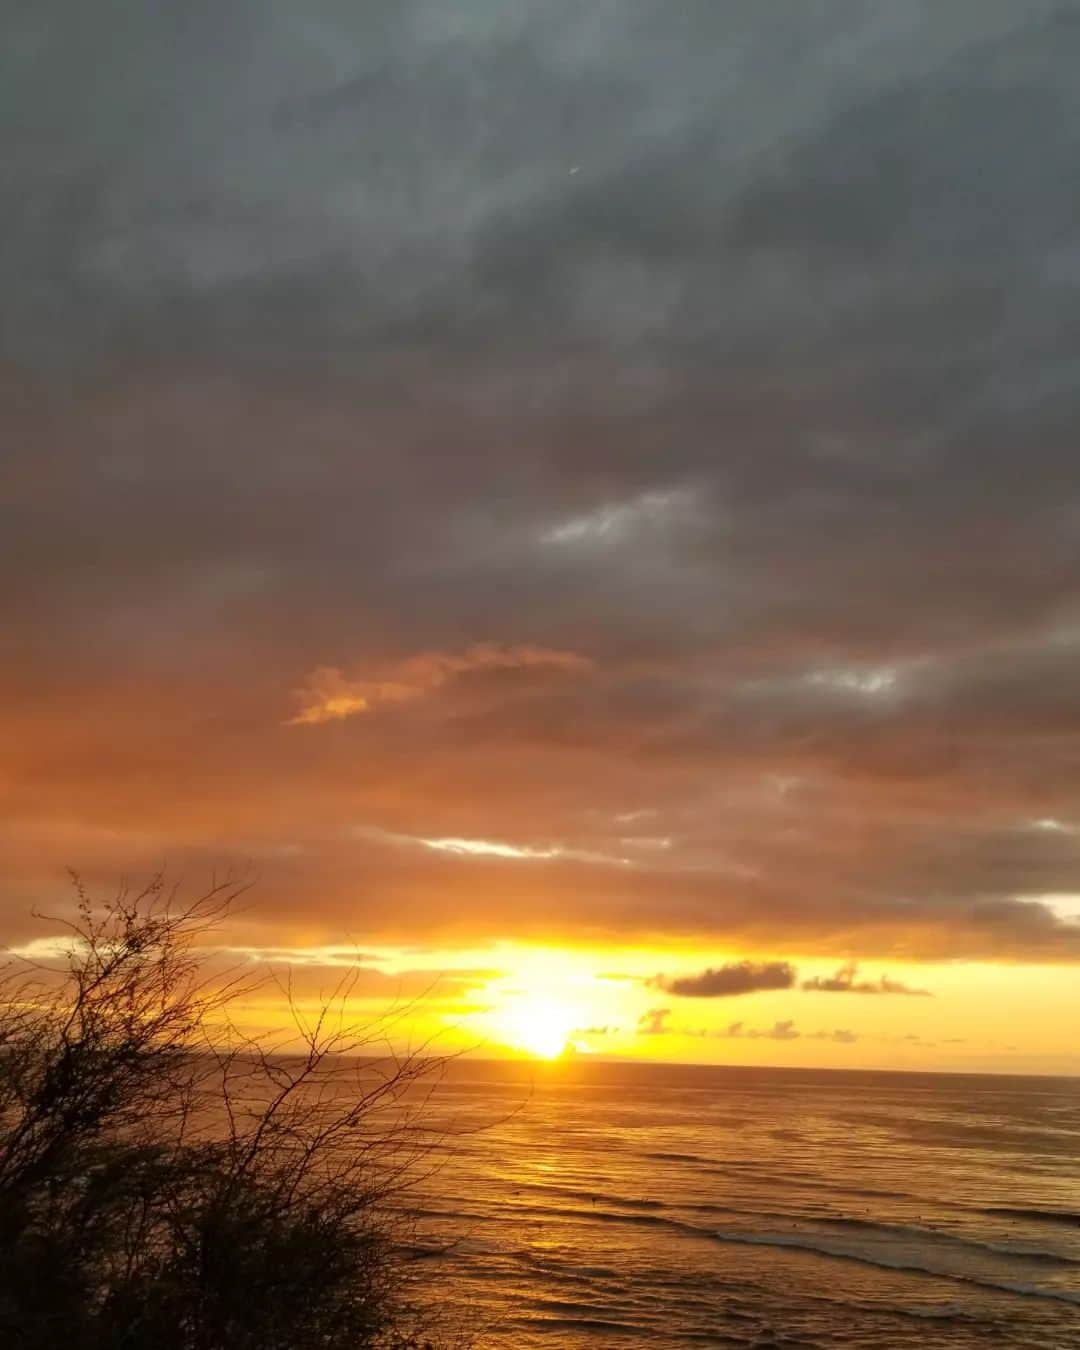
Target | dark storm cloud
(739,977)
(725,354)
(845,982)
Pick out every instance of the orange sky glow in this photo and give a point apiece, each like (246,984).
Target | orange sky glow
(613,589)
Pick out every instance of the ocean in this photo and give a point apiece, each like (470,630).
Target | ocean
(590,1204)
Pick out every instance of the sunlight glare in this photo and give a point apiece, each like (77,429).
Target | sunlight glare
(537,1025)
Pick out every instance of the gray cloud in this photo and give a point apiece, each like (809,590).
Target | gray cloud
(841,1035)
(779,1031)
(731,351)
(845,982)
(738,977)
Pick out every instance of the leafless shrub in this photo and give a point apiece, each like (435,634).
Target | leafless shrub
(168,1182)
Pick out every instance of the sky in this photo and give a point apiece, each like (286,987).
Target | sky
(580,503)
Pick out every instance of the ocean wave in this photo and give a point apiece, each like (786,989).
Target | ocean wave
(1063,1216)
(950,1239)
(554,1322)
(595,1197)
(761,1175)
(605,1206)
(677,1157)
(820,1245)
(882,1262)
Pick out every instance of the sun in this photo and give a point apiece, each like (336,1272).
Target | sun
(536,1025)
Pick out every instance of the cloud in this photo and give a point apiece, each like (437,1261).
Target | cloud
(330,696)
(842,1036)
(738,977)
(489,848)
(782,1031)
(654,1022)
(615,521)
(779,1031)
(844,982)
(342,379)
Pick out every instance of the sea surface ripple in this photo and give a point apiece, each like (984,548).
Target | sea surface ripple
(592,1204)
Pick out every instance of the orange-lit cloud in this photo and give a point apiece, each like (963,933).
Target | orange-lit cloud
(329,695)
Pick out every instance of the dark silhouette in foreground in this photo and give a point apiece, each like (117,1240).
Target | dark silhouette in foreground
(168,1183)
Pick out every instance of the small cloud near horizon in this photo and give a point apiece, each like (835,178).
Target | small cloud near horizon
(654,1022)
(731,980)
(844,982)
(779,1031)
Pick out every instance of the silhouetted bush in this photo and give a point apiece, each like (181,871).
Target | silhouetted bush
(166,1182)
